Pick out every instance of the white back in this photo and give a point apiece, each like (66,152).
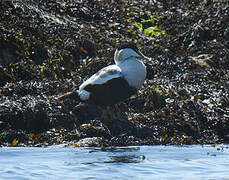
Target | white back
(102,76)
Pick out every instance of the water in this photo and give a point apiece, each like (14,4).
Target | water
(160,162)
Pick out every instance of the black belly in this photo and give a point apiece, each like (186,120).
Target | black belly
(111,92)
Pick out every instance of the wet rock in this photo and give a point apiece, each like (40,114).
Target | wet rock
(90,142)
(94,129)
(8,52)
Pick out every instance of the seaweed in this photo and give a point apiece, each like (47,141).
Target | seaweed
(49,48)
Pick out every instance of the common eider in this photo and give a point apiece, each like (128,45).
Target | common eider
(115,83)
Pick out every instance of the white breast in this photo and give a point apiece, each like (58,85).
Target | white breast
(134,71)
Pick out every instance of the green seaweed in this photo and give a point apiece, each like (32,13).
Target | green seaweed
(153,31)
(149,27)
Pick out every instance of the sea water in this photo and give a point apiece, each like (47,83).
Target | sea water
(143,162)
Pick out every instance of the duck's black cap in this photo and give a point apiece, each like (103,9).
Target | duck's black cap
(128,45)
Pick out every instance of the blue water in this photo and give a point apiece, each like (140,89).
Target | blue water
(160,162)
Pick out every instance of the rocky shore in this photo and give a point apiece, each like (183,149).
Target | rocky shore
(48,48)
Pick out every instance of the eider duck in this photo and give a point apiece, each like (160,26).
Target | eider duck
(115,83)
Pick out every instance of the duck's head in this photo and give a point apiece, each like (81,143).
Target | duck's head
(126,51)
